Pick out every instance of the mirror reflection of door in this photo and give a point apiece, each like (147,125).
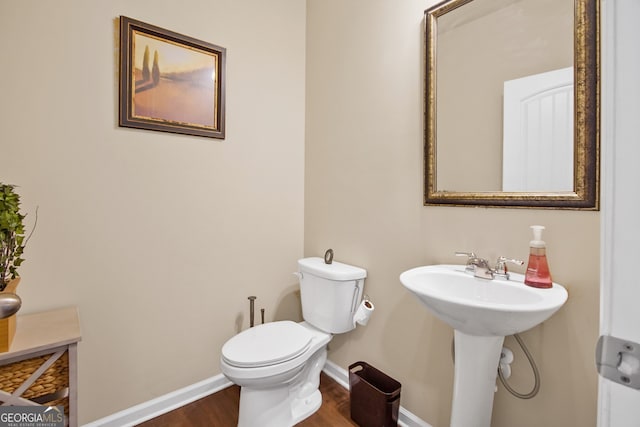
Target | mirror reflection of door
(481,45)
(538,132)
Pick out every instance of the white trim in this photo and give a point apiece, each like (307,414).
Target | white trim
(607,180)
(619,406)
(341,376)
(163,404)
(167,403)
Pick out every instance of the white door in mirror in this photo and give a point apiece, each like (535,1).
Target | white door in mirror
(538,132)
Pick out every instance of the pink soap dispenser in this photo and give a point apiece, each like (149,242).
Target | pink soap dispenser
(538,274)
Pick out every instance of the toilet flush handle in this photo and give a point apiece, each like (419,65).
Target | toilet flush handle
(354,299)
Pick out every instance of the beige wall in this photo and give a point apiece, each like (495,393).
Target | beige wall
(363,198)
(157,238)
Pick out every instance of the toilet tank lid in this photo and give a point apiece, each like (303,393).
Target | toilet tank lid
(334,271)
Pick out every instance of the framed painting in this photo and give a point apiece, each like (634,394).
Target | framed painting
(170,82)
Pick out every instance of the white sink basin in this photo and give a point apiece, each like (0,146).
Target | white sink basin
(482,307)
(482,312)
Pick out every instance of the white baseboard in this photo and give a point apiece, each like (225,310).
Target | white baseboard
(163,404)
(341,376)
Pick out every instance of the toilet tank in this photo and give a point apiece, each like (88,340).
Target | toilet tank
(330,293)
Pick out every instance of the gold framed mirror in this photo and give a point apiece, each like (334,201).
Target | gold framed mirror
(488,141)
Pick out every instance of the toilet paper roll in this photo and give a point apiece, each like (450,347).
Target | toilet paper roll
(363,314)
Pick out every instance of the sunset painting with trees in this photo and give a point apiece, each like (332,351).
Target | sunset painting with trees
(174,83)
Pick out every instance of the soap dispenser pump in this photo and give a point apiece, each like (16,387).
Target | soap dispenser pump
(538,274)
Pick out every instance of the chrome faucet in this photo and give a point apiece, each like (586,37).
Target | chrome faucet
(480,267)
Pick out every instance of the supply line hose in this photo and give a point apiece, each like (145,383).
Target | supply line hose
(503,380)
(536,374)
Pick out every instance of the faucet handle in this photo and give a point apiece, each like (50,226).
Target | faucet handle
(470,255)
(472,260)
(501,266)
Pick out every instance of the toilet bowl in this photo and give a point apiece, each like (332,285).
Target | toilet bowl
(278,364)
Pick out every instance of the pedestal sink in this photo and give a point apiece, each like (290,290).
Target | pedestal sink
(482,312)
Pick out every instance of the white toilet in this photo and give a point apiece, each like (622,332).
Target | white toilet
(278,364)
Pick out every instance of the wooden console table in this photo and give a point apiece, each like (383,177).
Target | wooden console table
(40,367)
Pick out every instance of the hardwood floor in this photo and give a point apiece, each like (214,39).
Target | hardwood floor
(221,409)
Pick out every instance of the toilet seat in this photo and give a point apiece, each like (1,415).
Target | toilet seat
(267,344)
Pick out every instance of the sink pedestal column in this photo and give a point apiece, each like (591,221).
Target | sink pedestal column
(476,365)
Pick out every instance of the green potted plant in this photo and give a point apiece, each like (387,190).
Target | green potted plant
(12,238)
(12,242)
